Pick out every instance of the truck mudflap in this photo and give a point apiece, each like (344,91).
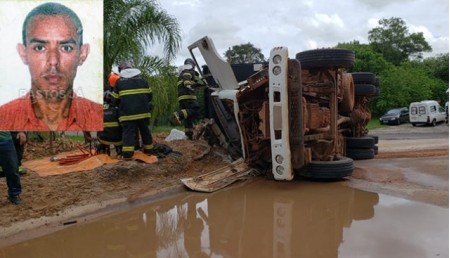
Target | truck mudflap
(219,178)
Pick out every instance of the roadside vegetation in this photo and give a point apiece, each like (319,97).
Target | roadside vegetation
(374,123)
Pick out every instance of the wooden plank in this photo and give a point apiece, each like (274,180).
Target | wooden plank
(219,178)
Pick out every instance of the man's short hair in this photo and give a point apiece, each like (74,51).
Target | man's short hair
(52,9)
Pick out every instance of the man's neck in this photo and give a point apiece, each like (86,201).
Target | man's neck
(52,113)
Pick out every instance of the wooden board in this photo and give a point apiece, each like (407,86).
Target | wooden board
(218,179)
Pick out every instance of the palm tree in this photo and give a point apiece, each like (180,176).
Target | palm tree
(131,26)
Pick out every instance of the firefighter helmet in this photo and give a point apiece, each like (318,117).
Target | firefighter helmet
(125,65)
(189,61)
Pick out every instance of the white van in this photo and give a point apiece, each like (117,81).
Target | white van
(426,112)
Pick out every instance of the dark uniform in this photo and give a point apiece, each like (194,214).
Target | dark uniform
(9,163)
(112,131)
(133,96)
(189,108)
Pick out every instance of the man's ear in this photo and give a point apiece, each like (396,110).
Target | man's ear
(21,49)
(85,48)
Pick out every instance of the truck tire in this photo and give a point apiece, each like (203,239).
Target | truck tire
(364,78)
(358,154)
(377,82)
(330,170)
(348,99)
(326,58)
(365,142)
(367,90)
(375,138)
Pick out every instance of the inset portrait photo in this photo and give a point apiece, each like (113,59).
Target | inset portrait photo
(52,65)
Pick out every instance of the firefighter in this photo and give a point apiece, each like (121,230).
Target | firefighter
(133,96)
(189,108)
(112,130)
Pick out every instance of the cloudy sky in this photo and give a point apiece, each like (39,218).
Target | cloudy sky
(301,24)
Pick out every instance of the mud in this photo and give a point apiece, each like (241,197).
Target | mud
(58,199)
(257,218)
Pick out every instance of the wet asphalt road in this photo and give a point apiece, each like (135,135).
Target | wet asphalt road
(407,132)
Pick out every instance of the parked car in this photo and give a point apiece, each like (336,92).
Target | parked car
(427,112)
(395,116)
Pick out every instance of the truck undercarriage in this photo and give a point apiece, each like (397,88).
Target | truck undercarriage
(293,116)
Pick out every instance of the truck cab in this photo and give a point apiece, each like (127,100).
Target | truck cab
(292,117)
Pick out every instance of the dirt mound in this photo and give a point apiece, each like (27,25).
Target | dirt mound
(128,180)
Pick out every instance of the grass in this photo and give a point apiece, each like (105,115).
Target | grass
(78,138)
(374,123)
(39,136)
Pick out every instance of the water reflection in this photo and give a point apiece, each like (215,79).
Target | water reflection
(260,219)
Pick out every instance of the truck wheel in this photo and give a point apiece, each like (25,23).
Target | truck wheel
(326,58)
(375,138)
(377,82)
(331,170)
(364,78)
(434,122)
(378,92)
(365,142)
(348,99)
(367,90)
(358,154)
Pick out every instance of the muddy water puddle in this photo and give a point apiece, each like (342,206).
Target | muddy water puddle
(257,219)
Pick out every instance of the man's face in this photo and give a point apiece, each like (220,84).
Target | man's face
(52,53)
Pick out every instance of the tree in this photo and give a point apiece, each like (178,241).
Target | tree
(404,84)
(165,94)
(244,53)
(395,43)
(366,59)
(130,26)
(436,66)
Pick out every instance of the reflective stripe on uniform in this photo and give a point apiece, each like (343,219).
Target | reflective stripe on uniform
(134,117)
(111,124)
(109,142)
(148,147)
(185,97)
(114,95)
(134,91)
(128,148)
(185,113)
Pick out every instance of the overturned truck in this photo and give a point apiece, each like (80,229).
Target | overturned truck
(292,117)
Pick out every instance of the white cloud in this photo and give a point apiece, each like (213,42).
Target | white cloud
(302,24)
